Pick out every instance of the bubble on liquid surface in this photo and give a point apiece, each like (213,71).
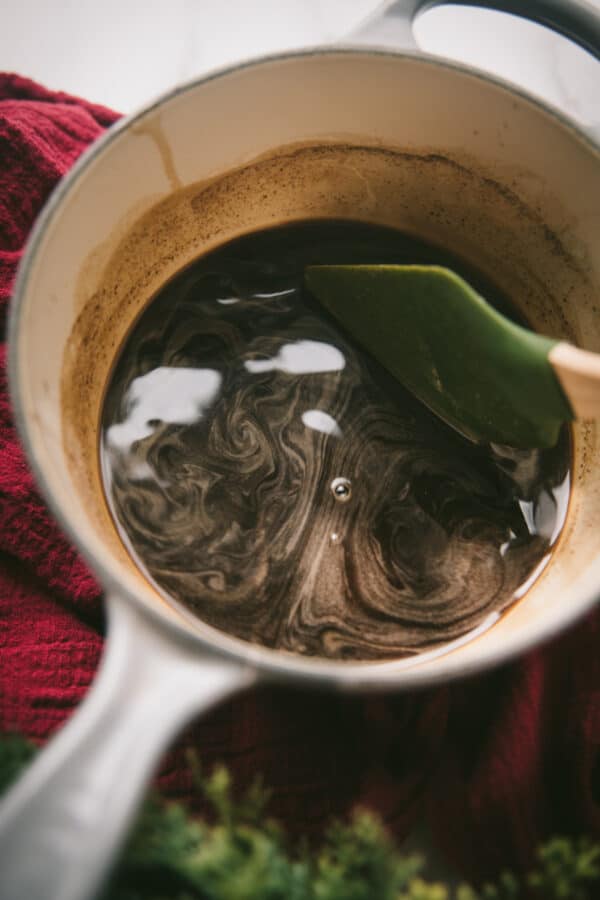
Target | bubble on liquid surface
(341,488)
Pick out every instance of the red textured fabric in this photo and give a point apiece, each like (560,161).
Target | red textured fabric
(320,754)
(521,757)
(50,614)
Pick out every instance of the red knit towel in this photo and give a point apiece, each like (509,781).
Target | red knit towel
(48,654)
(521,756)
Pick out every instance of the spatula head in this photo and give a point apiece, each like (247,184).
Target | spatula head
(487,377)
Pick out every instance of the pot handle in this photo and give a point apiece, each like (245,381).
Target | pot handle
(63,822)
(577,20)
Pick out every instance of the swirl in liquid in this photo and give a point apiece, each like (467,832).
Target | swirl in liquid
(269,476)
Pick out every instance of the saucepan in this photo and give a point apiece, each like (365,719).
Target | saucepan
(393,137)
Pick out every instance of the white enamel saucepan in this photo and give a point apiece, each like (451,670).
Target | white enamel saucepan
(391,137)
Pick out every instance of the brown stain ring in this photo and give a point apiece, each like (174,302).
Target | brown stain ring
(435,196)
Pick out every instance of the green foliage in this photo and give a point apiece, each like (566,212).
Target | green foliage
(421,890)
(567,870)
(240,857)
(359,861)
(245,856)
(507,888)
(464,892)
(15,753)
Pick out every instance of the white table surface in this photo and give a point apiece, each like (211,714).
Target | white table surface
(125,52)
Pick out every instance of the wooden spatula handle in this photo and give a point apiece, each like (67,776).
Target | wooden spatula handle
(578,372)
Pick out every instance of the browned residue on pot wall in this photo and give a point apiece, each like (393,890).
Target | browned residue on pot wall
(438,197)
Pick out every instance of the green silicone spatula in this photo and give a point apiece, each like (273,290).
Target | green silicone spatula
(489,378)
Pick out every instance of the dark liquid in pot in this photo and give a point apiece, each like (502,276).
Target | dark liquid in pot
(269,476)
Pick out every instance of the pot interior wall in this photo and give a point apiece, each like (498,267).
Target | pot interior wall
(434,151)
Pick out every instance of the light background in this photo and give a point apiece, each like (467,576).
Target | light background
(125,52)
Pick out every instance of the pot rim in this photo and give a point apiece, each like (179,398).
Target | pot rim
(274,664)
